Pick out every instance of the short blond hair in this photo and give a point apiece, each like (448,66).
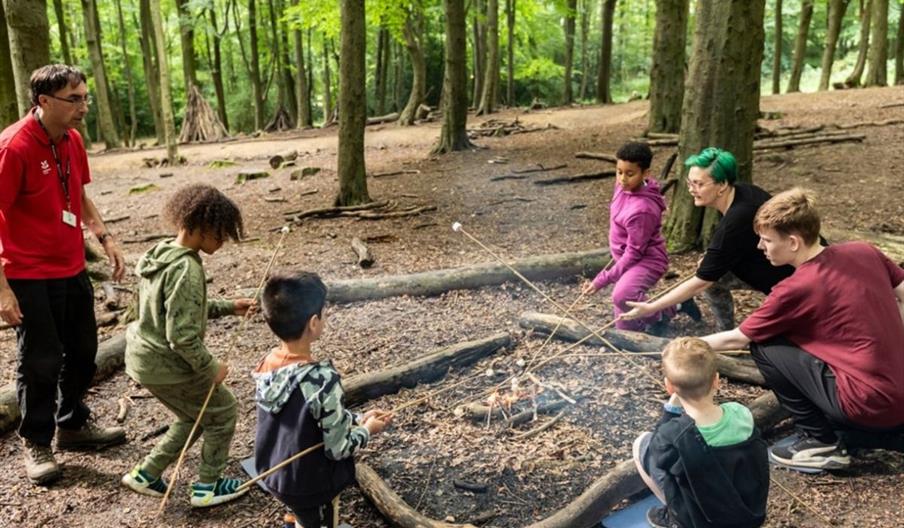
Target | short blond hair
(689,364)
(790,212)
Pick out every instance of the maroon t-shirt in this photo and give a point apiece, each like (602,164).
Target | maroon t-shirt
(840,307)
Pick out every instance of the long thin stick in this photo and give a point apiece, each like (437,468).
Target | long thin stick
(797,499)
(279,466)
(213,386)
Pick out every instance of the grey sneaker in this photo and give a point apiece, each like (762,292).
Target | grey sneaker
(90,436)
(808,452)
(40,466)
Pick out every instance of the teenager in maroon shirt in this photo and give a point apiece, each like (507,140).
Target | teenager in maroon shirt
(44,289)
(829,339)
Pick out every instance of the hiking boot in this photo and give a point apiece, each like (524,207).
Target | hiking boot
(658,517)
(40,466)
(141,482)
(809,452)
(690,308)
(90,436)
(223,490)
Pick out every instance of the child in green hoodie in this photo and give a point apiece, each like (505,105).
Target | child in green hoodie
(165,349)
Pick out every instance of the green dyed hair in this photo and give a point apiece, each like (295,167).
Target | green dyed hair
(720,164)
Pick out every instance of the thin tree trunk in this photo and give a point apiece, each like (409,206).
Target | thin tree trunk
(721,101)
(454,135)
(866,14)
(9,107)
(352,105)
(603,95)
(166,99)
(667,73)
(151,69)
(104,107)
(413,33)
(837,8)
(399,75)
(491,74)
(187,38)
(327,89)
(288,79)
(800,46)
(133,121)
(29,39)
(899,50)
(777,50)
(586,9)
(280,114)
(877,63)
(257,84)
(510,62)
(479,49)
(379,71)
(310,95)
(302,104)
(61,24)
(572,7)
(216,67)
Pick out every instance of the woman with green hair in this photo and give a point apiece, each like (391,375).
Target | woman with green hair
(732,260)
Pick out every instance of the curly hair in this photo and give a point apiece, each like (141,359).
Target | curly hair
(205,208)
(637,153)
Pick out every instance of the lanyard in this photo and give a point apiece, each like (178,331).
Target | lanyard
(64,178)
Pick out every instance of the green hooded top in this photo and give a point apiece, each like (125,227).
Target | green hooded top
(166,344)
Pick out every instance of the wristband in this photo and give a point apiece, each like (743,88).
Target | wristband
(102,238)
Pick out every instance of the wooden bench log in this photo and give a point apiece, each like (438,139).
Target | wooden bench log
(743,370)
(365,257)
(431,367)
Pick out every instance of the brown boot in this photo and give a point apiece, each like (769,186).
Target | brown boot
(40,466)
(90,436)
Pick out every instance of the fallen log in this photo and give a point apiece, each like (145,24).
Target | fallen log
(328,212)
(596,156)
(576,178)
(394,173)
(790,143)
(508,177)
(377,120)
(885,122)
(393,507)
(478,412)
(668,142)
(540,168)
(365,257)
(662,135)
(277,160)
(570,330)
(623,481)
(431,367)
(373,215)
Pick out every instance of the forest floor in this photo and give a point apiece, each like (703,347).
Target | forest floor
(859,186)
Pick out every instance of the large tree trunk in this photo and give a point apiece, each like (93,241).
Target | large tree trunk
(899,50)
(151,68)
(166,99)
(454,135)
(721,101)
(777,50)
(877,63)
(352,105)
(216,66)
(9,107)
(586,9)
(572,7)
(133,121)
(667,73)
(257,84)
(491,67)
(603,95)
(800,46)
(29,44)
(63,29)
(285,63)
(187,38)
(837,8)
(104,107)
(282,115)
(866,15)
(510,61)
(413,31)
(302,94)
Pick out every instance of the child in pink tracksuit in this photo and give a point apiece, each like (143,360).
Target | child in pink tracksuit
(635,241)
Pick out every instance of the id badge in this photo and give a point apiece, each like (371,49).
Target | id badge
(69,218)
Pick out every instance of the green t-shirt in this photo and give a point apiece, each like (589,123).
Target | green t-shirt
(735,426)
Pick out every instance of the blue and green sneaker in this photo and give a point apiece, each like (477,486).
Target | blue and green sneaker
(223,490)
(140,481)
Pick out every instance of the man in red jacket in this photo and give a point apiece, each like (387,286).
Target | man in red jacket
(829,339)
(44,288)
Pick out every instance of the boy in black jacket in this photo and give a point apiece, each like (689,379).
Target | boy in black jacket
(708,463)
(299,404)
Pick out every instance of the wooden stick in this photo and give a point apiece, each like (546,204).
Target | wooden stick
(279,466)
(825,520)
(213,386)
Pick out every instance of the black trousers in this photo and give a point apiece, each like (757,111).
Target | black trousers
(806,387)
(57,344)
(316,517)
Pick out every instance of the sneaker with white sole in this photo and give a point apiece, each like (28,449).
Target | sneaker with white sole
(140,481)
(223,490)
(809,452)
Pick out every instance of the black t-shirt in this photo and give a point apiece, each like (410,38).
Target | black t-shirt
(733,246)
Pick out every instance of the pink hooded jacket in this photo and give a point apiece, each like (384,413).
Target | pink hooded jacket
(635,238)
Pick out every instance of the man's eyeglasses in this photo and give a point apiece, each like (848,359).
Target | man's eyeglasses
(696,185)
(76,100)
